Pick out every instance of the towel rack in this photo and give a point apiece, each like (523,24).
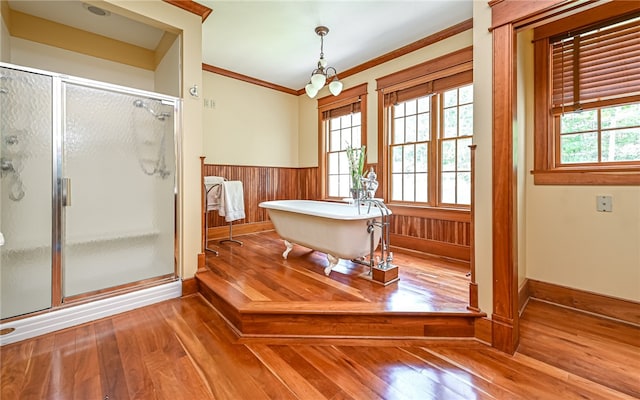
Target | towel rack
(206,229)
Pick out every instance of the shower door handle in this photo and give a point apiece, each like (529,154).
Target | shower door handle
(66,192)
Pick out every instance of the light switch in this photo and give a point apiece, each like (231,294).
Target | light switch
(604,203)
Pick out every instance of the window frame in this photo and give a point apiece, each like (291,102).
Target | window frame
(548,170)
(349,96)
(456,70)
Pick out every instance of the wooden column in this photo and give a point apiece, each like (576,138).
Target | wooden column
(505,254)
(473,285)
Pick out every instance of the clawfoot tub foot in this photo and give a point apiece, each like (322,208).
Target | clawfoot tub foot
(333,261)
(289,248)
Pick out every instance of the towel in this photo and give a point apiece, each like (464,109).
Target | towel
(232,204)
(213,186)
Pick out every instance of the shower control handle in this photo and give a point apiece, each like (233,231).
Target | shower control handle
(66,192)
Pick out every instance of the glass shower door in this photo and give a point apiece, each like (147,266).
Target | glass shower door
(25,192)
(118,185)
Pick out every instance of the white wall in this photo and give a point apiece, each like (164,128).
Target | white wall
(483,127)
(246,124)
(35,55)
(567,241)
(167,74)
(5,53)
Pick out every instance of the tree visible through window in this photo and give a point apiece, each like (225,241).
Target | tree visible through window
(588,101)
(429,148)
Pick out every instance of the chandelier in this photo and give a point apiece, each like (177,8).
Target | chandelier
(322,74)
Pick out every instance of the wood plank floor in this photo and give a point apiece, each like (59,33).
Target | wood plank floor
(261,293)
(183,349)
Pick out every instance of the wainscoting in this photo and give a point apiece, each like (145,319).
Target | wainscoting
(445,233)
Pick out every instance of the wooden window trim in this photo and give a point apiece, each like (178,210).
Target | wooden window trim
(546,170)
(451,70)
(348,96)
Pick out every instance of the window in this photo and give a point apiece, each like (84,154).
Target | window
(428,128)
(343,124)
(588,103)
(342,131)
(412,140)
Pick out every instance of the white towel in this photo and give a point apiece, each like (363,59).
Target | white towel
(213,186)
(232,207)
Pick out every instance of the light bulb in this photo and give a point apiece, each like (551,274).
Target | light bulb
(335,87)
(311,91)
(318,81)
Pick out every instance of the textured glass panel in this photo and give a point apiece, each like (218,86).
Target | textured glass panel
(346,138)
(579,148)
(25,192)
(398,110)
(448,187)
(464,188)
(345,120)
(120,225)
(422,188)
(621,145)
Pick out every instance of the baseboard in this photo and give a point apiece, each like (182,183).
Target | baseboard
(443,249)
(483,330)
(612,307)
(189,286)
(523,295)
(41,324)
(222,232)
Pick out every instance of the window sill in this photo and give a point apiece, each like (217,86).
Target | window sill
(622,177)
(447,214)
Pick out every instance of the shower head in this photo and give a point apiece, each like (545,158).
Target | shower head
(161,116)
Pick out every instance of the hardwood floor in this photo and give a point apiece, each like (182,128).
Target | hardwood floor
(262,294)
(183,349)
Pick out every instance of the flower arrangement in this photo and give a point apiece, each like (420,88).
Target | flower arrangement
(356,158)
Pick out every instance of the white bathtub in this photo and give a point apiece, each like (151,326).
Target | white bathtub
(336,229)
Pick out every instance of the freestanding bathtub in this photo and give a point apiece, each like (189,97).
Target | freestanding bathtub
(337,229)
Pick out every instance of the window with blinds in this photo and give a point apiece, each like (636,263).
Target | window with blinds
(596,67)
(342,124)
(343,127)
(588,101)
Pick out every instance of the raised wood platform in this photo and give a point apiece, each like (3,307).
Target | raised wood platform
(261,294)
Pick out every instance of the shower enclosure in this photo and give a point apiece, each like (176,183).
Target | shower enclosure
(87,193)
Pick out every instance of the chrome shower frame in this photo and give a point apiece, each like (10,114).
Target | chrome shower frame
(58,183)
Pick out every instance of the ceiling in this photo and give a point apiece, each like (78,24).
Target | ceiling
(274,40)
